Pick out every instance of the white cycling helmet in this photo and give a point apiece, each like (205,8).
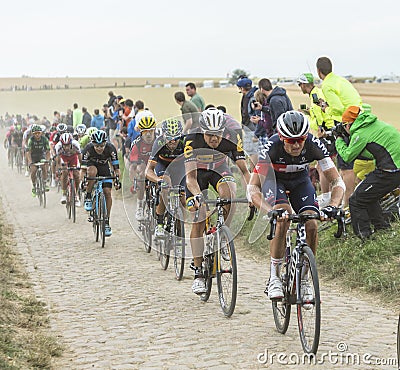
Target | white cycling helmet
(212,119)
(292,124)
(80,129)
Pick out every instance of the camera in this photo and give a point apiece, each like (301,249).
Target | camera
(315,99)
(339,130)
(303,106)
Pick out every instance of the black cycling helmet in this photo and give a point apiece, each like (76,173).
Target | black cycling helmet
(99,137)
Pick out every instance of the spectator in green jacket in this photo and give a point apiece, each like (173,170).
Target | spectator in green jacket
(382,142)
(77,116)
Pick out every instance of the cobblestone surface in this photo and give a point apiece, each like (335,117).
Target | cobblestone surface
(114,308)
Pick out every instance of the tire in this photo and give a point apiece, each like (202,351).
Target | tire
(309,319)
(226,271)
(38,186)
(178,244)
(73,206)
(146,228)
(164,253)
(282,308)
(208,265)
(102,218)
(95,215)
(69,204)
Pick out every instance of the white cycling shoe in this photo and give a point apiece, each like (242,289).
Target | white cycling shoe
(199,286)
(274,288)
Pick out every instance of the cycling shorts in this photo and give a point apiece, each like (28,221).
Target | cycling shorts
(177,174)
(70,160)
(300,194)
(102,170)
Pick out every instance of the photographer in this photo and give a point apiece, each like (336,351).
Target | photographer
(382,141)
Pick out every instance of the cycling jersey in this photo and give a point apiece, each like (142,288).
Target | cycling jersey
(91,158)
(140,151)
(38,148)
(160,152)
(16,138)
(84,140)
(69,150)
(196,149)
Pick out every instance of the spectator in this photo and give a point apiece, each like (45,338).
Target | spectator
(76,116)
(250,142)
(86,117)
(111,99)
(141,112)
(382,141)
(277,100)
(69,118)
(195,98)
(262,118)
(190,113)
(339,94)
(97,120)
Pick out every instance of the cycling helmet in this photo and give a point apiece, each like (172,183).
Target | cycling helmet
(80,129)
(171,128)
(147,123)
(66,138)
(91,130)
(212,119)
(292,124)
(62,127)
(18,128)
(36,128)
(99,137)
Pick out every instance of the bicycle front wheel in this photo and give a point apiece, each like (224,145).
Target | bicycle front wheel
(95,218)
(68,204)
(226,271)
(72,199)
(178,244)
(164,253)
(102,218)
(309,309)
(146,228)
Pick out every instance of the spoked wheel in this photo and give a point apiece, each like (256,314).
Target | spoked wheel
(39,193)
(164,253)
(18,160)
(73,206)
(226,272)
(95,218)
(208,264)
(309,310)
(102,218)
(178,244)
(68,204)
(43,190)
(281,308)
(146,228)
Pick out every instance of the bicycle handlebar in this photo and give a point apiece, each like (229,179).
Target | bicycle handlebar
(302,218)
(101,178)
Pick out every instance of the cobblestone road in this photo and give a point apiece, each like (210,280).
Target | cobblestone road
(114,308)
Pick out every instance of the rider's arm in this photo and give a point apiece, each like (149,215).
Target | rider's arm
(241,163)
(191,177)
(254,193)
(336,183)
(150,173)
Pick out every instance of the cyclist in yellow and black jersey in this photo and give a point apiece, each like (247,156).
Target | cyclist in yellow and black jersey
(205,156)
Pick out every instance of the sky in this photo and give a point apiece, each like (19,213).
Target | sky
(156,38)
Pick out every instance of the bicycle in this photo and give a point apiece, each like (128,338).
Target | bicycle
(148,225)
(19,162)
(174,227)
(71,193)
(98,214)
(219,257)
(40,184)
(299,263)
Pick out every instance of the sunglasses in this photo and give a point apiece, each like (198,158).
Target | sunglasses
(100,145)
(172,138)
(297,140)
(213,133)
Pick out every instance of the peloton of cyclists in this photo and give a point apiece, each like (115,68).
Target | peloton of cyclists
(285,157)
(205,155)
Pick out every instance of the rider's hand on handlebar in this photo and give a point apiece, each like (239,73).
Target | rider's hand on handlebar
(117,183)
(278,214)
(329,212)
(198,200)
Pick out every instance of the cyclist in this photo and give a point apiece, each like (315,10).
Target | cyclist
(7,143)
(38,149)
(205,155)
(167,148)
(285,157)
(85,139)
(68,153)
(80,131)
(95,160)
(54,139)
(16,139)
(138,157)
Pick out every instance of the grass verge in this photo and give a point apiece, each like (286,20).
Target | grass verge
(24,341)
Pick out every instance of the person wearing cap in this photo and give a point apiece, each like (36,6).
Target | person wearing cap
(320,123)
(370,136)
(250,142)
(339,94)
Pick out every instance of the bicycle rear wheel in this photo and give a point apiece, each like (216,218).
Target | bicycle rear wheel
(102,218)
(309,312)
(178,244)
(226,271)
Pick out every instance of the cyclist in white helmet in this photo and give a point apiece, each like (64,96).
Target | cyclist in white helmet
(205,155)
